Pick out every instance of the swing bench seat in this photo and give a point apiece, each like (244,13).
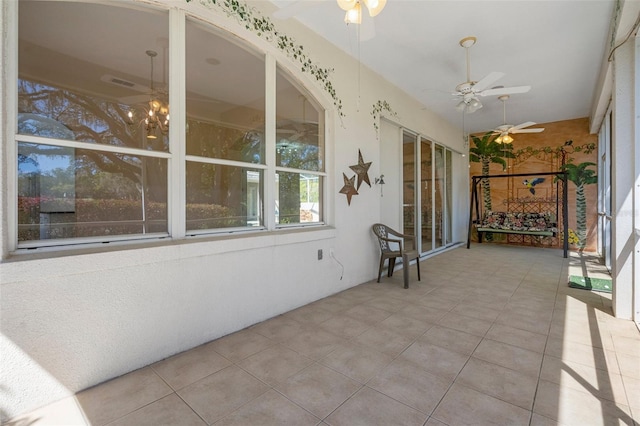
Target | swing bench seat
(536,224)
(543,224)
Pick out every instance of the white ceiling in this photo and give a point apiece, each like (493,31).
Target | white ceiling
(555,46)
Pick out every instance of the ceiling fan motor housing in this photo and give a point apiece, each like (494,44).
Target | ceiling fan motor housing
(466,87)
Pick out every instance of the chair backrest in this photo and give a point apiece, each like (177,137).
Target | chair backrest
(382,231)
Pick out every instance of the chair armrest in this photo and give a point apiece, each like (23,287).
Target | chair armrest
(391,240)
(405,236)
(401,243)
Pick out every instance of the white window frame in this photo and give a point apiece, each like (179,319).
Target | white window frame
(176,156)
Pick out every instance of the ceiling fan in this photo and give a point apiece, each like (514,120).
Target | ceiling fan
(294,138)
(353,13)
(353,9)
(505,129)
(297,130)
(470,90)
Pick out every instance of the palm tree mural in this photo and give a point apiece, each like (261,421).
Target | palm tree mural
(487,151)
(581,176)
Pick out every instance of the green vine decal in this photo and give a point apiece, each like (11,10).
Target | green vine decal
(264,27)
(378,107)
(553,152)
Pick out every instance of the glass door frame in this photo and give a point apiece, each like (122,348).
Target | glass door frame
(604,190)
(410,209)
(416,182)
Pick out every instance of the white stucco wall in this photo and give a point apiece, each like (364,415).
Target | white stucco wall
(74,319)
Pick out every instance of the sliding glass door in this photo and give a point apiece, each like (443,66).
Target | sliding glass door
(427,192)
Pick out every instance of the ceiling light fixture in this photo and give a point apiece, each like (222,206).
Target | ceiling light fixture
(354,15)
(157,116)
(469,104)
(504,135)
(504,138)
(353,9)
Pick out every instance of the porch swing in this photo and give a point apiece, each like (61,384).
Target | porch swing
(517,220)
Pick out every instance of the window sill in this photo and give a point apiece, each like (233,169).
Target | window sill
(190,246)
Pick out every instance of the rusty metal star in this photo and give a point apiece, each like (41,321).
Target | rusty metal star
(362,170)
(349,189)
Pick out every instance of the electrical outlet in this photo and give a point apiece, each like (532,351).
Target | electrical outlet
(319,254)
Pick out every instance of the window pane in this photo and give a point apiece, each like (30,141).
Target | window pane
(225,98)
(223,196)
(299,128)
(90,87)
(298,198)
(69,193)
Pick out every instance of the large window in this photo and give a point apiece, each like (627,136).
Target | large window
(95,160)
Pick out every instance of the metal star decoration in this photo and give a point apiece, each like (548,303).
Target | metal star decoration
(362,170)
(349,189)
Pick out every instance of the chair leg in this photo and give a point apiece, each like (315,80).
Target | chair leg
(392,266)
(405,271)
(380,267)
(418,267)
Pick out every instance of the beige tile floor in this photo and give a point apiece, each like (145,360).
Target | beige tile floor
(491,335)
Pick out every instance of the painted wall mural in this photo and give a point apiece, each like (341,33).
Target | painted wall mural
(541,153)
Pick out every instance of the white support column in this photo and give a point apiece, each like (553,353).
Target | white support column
(636,190)
(270,142)
(623,180)
(177,197)
(8,105)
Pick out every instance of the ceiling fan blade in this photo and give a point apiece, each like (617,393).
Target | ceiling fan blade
(487,81)
(294,9)
(505,91)
(523,125)
(538,130)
